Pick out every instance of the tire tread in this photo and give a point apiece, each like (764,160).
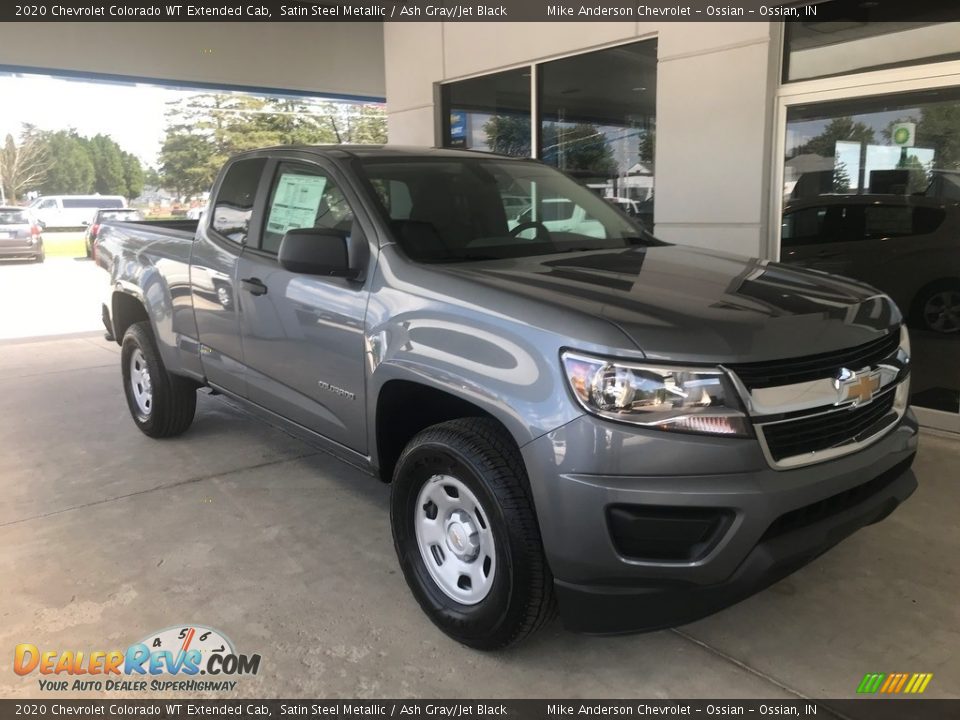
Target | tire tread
(492,450)
(174,398)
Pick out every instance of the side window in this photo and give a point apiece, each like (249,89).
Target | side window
(821,225)
(48,204)
(883,221)
(927,220)
(395,196)
(303,197)
(234,203)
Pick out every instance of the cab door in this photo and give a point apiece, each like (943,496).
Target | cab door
(303,335)
(213,273)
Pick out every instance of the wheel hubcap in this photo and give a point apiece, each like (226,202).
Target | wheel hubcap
(942,311)
(455,540)
(140,383)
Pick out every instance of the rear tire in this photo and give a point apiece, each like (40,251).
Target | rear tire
(40,256)
(161,404)
(466,534)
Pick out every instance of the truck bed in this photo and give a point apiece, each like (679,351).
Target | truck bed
(171,228)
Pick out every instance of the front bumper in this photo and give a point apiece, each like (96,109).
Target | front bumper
(774,521)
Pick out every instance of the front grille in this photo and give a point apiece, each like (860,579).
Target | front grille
(814,367)
(820,432)
(834,505)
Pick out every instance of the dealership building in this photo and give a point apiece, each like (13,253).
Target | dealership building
(833,143)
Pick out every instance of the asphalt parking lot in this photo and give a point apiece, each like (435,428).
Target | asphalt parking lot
(107,536)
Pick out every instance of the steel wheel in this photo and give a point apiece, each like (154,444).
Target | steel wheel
(140,384)
(455,540)
(941,311)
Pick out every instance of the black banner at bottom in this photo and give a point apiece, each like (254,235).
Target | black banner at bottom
(874,708)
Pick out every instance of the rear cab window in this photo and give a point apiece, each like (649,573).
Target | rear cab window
(13,217)
(233,206)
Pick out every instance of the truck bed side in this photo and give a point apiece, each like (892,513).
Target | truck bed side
(149,268)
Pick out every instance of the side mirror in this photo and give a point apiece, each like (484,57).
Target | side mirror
(317,251)
(85,223)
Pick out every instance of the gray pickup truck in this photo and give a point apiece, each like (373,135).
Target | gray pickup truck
(572,415)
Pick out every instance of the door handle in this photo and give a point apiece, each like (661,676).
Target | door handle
(254,286)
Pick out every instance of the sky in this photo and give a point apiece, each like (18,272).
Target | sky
(132,114)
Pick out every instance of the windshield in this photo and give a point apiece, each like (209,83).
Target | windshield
(13,217)
(459,209)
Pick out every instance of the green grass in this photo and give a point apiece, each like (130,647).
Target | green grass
(64,244)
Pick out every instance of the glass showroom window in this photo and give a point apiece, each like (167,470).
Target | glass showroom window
(490,113)
(872,191)
(855,36)
(598,122)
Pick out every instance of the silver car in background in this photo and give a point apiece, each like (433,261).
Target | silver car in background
(19,237)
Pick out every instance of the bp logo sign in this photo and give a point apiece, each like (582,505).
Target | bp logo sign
(903,134)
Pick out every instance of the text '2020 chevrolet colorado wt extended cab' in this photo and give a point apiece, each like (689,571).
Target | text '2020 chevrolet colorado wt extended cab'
(574,415)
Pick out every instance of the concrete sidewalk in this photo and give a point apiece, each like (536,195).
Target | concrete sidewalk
(107,536)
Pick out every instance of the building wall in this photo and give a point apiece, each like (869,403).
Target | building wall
(322,58)
(716,86)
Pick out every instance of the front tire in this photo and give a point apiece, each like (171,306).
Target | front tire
(466,534)
(937,307)
(161,404)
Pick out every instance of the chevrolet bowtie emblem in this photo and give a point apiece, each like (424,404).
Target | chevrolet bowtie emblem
(856,387)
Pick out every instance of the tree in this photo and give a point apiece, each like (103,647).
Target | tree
(841,177)
(508,135)
(838,129)
(647,145)
(207,128)
(151,177)
(133,175)
(185,163)
(23,165)
(939,128)
(108,170)
(917,178)
(366,123)
(581,148)
(71,169)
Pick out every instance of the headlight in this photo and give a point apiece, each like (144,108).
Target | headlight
(697,400)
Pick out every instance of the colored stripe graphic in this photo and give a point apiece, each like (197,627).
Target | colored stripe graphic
(870,683)
(894,683)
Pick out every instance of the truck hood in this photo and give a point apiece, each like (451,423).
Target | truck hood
(691,305)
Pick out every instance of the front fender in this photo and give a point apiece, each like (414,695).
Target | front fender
(508,381)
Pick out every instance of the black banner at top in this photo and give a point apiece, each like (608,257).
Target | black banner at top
(467,11)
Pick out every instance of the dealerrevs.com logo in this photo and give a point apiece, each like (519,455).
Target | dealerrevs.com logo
(183,652)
